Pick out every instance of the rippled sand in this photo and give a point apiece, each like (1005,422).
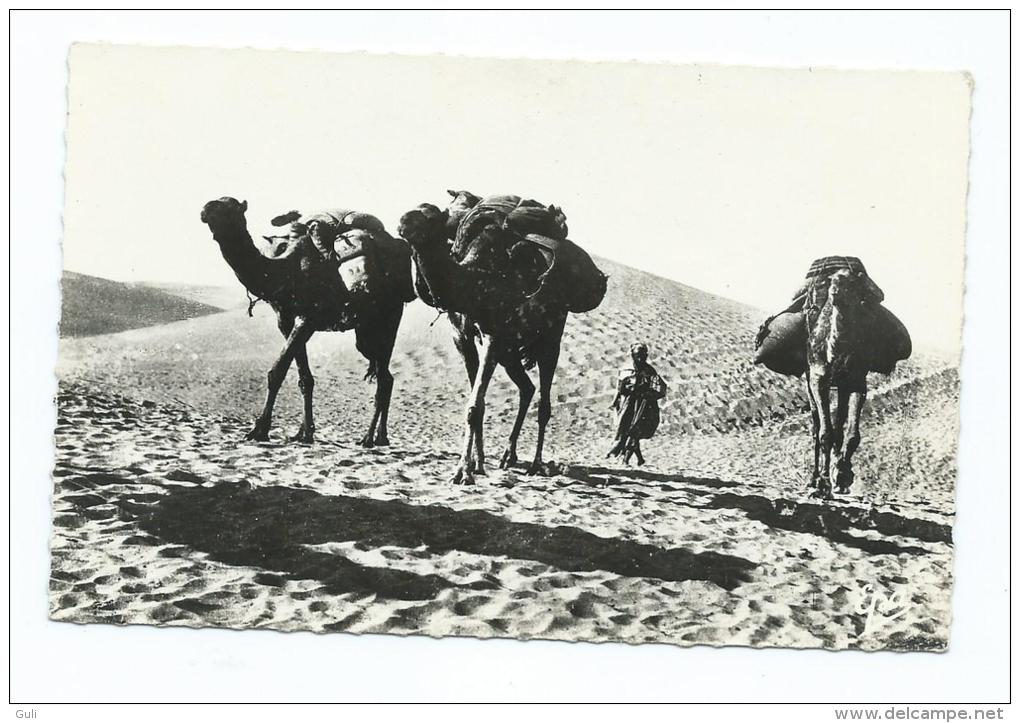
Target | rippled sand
(163,515)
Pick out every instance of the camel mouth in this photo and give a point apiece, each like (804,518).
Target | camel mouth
(210,211)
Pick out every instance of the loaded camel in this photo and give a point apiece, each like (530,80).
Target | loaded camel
(834,333)
(837,358)
(508,290)
(305,289)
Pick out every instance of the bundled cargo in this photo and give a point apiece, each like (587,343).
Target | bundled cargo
(340,219)
(781,344)
(522,216)
(537,246)
(368,264)
(571,274)
(368,258)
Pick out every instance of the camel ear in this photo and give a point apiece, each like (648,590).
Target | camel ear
(244,205)
(452,193)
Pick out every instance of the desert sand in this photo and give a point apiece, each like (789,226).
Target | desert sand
(164,515)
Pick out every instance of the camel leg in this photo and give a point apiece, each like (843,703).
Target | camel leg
(464,341)
(815,428)
(368,440)
(306,383)
(515,370)
(839,420)
(297,339)
(384,379)
(475,411)
(820,389)
(546,371)
(384,393)
(844,464)
(374,336)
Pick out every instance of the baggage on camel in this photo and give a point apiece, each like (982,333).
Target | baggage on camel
(571,273)
(568,270)
(781,343)
(362,248)
(523,216)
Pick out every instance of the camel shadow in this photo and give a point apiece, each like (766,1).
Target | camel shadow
(835,522)
(599,475)
(271,527)
(832,521)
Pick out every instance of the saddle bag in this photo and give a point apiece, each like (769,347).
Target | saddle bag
(374,263)
(784,346)
(572,274)
(358,265)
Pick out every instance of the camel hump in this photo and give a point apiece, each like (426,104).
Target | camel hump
(572,275)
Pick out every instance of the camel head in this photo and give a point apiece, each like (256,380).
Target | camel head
(224,214)
(423,227)
(849,290)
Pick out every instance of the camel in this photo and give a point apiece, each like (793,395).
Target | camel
(838,356)
(308,295)
(495,294)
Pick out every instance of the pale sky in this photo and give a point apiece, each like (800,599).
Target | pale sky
(727,179)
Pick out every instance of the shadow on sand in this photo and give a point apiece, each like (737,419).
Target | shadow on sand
(269,528)
(833,520)
(597,474)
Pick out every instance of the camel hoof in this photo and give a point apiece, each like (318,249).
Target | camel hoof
(463,477)
(382,441)
(257,434)
(508,460)
(537,469)
(366,442)
(823,489)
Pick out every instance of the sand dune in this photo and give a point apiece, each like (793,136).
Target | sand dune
(163,515)
(92,305)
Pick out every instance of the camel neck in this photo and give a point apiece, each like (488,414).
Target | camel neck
(438,268)
(838,331)
(252,269)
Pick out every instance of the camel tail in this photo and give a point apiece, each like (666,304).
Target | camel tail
(373,371)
